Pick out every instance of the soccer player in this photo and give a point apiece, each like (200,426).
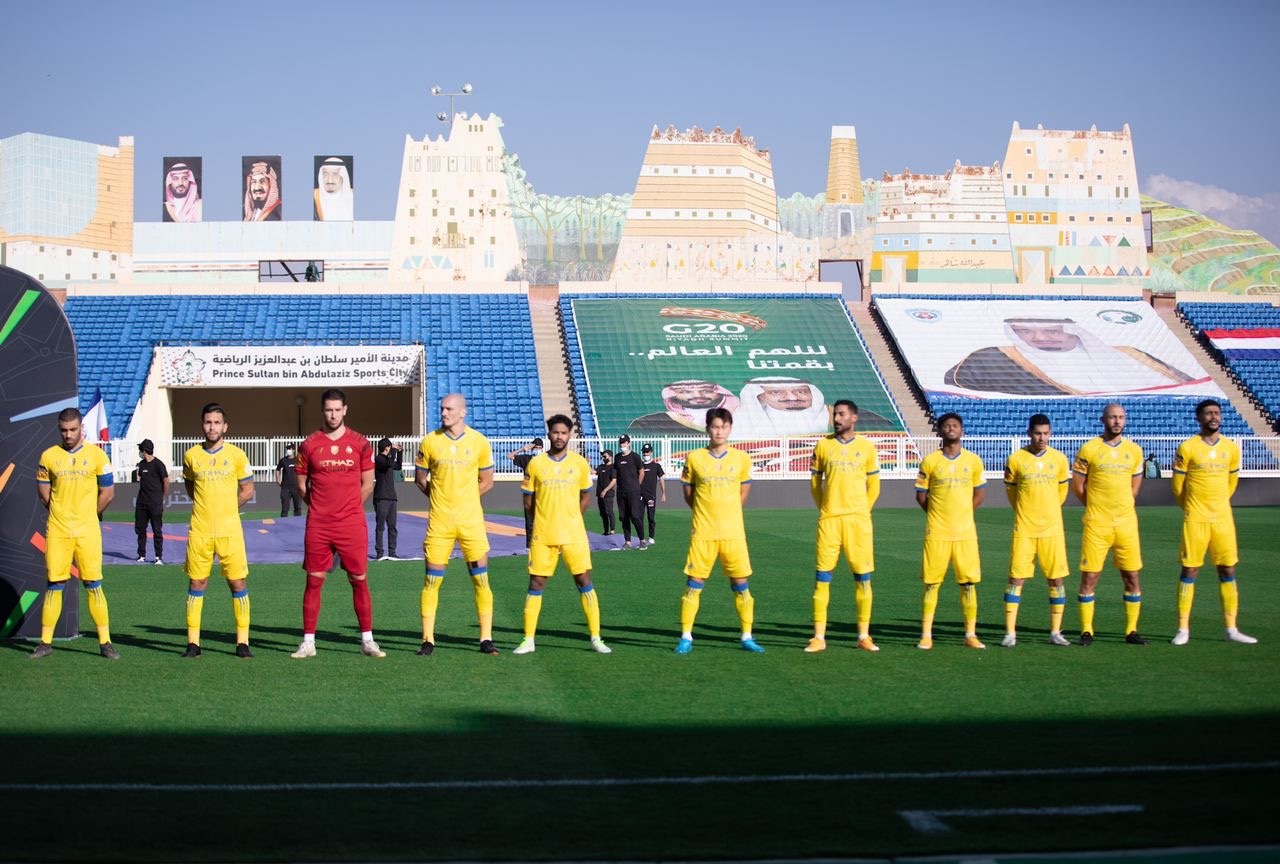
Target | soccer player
(1036,480)
(949,488)
(454,469)
(218,480)
(1205,473)
(557,485)
(845,482)
(74,481)
(717,481)
(335,477)
(1106,476)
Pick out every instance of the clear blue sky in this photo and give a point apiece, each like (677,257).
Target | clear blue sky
(579,86)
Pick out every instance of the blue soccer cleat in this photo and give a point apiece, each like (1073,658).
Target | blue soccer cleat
(684,646)
(752,646)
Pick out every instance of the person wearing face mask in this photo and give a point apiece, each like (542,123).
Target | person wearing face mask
(652,487)
(627,472)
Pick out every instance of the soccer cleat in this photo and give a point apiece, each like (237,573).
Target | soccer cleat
(1182,637)
(487,647)
(369,648)
(106,649)
(305,650)
(1134,639)
(193,650)
(684,646)
(44,649)
(925,643)
(427,649)
(243,652)
(866,644)
(1056,638)
(598,646)
(159,562)
(142,559)
(1086,639)
(526,646)
(384,557)
(1009,640)
(816,644)
(752,647)
(972,642)
(651,541)
(1234,635)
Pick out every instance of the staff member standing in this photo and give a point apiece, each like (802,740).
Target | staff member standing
(287,477)
(627,466)
(606,494)
(386,465)
(652,484)
(152,478)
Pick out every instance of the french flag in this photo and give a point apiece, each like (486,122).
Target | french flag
(1254,343)
(95,420)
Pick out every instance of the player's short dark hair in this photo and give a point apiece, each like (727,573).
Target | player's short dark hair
(66,415)
(950,415)
(211,407)
(1037,420)
(848,403)
(608,453)
(1206,403)
(333,394)
(723,414)
(553,420)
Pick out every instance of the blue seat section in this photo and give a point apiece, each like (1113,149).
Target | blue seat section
(1260,378)
(480,345)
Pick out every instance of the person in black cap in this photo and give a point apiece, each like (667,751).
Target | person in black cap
(606,494)
(652,485)
(152,478)
(522,457)
(631,510)
(287,478)
(386,465)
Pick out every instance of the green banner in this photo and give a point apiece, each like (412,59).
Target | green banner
(655,366)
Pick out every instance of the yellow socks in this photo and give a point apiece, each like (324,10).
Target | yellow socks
(1012,599)
(746,606)
(51,611)
(862,600)
(1086,612)
(689,604)
(240,608)
(1230,595)
(930,608)
(1057,605)
(484,602)
(1132,609)
(591,609)
(821,600)
(969,607)
(430,601)
(98,610)
(1186,597)
(532,609)
(195,607)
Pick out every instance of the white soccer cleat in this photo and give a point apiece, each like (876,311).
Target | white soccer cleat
(1182,637)
(1009,640)
(598,646)
(526,646)
(1234,635)
(305,650)
(1056,638)
(651,541)
(369,648)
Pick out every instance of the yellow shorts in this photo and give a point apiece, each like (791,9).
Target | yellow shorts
(542,558)
(230,552)
(1051,552)
(86,551)
(851,535)
(1099,539)
(442,535)
(732,554)
(1219,538)
(961,554)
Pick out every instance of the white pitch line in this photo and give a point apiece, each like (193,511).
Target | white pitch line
(606,782)
(930,821)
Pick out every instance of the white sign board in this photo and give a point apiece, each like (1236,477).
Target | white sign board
(320,365)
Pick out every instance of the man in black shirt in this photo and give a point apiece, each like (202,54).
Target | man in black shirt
(606,484)
(153,489)
(651,486)
(522,458)
(386,465)
(627,466)
(287,477)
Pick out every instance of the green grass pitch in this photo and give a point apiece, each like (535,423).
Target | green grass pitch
(643,754)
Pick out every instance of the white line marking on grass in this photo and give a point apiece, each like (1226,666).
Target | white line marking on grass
(607,782)
(930,821)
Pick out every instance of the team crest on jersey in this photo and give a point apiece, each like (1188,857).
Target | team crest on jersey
(557,469)
(348,448)
(1039,466)
(1213,454)
(333,449)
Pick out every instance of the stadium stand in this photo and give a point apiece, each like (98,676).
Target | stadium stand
(1226,331)
(116,335)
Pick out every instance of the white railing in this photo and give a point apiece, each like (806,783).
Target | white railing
(773,458)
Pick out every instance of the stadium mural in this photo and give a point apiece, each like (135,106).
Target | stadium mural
(334,193)
(1017,348)
(1191,252)
(261,189)
(183,176)
(656,365)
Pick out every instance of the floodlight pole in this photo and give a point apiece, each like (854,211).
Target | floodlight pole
(437,91)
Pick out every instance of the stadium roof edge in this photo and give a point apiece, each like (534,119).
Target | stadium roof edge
(301,289)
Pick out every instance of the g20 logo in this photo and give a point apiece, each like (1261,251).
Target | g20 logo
(677,329)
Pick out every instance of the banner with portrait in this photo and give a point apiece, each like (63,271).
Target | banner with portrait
(183,190)
(1002,349)
(333,196)
(654,366)
(260,188)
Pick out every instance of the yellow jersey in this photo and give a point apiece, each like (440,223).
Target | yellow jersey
(1039,485)
(846,469)
(1206,471)
(74,478)
(455,465)
(950,484)
(216,475)
(557,486)
(717,493)
(1108,470)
